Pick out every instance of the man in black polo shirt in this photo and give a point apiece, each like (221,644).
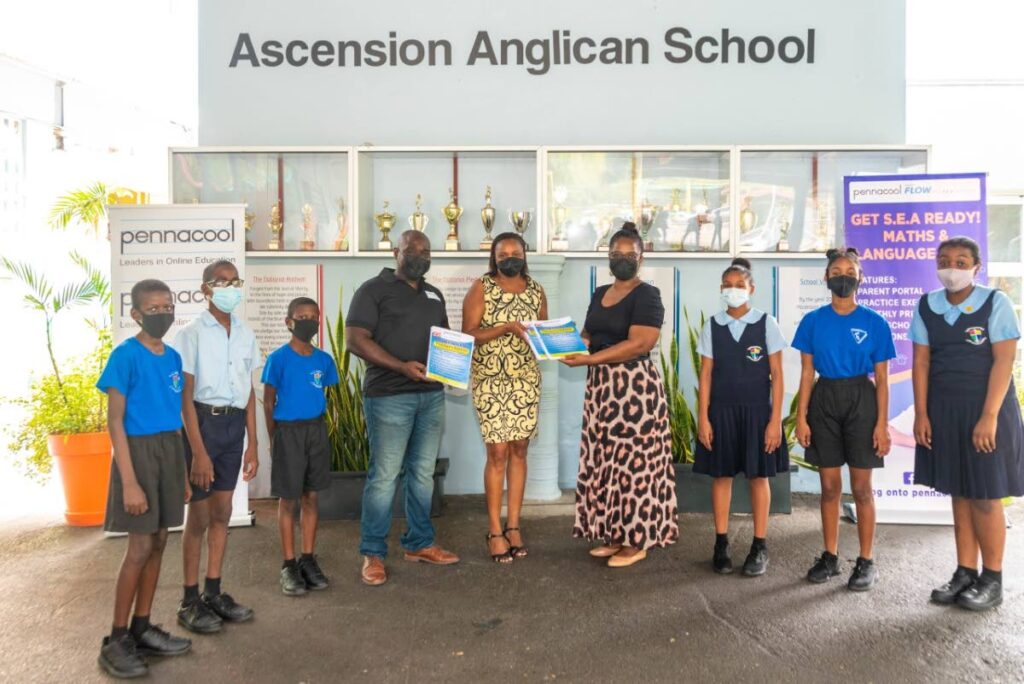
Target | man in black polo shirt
(388,326)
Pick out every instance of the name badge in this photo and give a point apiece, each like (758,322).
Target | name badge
(432,295)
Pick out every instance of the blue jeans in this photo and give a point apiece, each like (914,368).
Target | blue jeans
(405,435)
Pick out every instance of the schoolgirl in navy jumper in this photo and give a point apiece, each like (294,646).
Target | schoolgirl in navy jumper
(739,427)
(967,421)
(843,418)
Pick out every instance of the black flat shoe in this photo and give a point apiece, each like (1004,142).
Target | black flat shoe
(223,605)
(120,658)
(721,561)
(312,574)
(864,575)
(825,568)
(158,642)
(503,557)
(947,594)
(292,583)
(196,616)
(515,551)
(756,563)
(982,595)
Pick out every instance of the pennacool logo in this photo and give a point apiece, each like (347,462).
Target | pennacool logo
(316,377)
(755,353)
(976,335)
(859,335)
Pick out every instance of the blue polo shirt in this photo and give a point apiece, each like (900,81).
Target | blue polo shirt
(845,346)
(300,382)
(1002,323)
(774,339)
(151,384)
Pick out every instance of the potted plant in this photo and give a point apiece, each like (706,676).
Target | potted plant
(66,415)
(694,489)
(350,448)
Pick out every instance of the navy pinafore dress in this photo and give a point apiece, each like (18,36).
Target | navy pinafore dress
(741,406)
(961,359)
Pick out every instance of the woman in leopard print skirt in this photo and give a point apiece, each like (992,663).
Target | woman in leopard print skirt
(625,492)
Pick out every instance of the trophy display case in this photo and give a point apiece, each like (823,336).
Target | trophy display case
(461,198)
(792,200)
(677,197)
(297,200)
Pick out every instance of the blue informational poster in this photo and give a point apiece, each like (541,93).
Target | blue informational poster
(554,339)
(449,357)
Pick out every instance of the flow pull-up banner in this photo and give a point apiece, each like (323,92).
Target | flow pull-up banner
(897,223)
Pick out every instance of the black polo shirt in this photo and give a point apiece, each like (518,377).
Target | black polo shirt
(399,319)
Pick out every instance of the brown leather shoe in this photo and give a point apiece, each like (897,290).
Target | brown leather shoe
(434,555)
(374,573)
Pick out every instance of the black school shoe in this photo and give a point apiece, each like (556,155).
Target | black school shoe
(721,561)
(223,605)
(825,568)
(196,616)
(155,641)
(292,583)
(864,575)
(312,574)
(756,563)
(947,594)
(984,594)
(120,658)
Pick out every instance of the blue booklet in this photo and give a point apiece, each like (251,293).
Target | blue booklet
(449,357)
(554,339)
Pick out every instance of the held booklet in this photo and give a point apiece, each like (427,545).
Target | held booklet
(554,339)
(449,357)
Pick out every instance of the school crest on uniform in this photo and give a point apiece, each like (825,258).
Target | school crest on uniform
(316,377)
(755,353)
(859,335)
(976,335)
(175,378)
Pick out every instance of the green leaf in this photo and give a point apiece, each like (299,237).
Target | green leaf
(87,205)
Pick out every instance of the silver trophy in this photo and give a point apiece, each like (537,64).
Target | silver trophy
(648,212)
(559,214)
(487,218)
(520,221)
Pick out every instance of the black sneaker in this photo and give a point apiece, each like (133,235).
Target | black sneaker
(721,561)
(226,607)
(864,575)
(120,658)
(825,568)
(158,642)
(292,583)
(756,563)
(312,574)
(196,616)
(947,594)
(982,595)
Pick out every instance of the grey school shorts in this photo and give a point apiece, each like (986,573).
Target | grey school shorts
(159,464)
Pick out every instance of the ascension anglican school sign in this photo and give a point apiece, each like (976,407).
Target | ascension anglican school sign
(897,223)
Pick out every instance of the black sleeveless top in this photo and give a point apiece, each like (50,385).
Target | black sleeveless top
(740,374)
(961,354)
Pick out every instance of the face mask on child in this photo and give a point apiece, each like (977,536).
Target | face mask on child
(226,298)
(956,279)
(735,297)
(156,325)
(305,330)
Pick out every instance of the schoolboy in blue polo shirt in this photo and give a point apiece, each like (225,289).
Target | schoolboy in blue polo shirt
(295,377)
(148,482)
(218,353)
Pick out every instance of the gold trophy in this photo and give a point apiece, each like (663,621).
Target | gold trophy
(648,212)
(419,220)
(675,205)
(748,219)
(250,216)
(604,232)
(783,245)
(308,229)
(452,214)
(385,222)
(559,214)
(341,239)
(520,221)
(275,226)
(487,217)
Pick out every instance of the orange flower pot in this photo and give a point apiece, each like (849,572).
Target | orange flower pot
(84,462)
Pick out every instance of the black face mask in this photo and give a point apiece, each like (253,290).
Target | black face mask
(843,286)
(305,330)
(156,325)
(511,266)
(623,269)
(415,267)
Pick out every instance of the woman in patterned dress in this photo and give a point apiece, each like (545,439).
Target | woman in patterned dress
(625,490)
(506,382)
